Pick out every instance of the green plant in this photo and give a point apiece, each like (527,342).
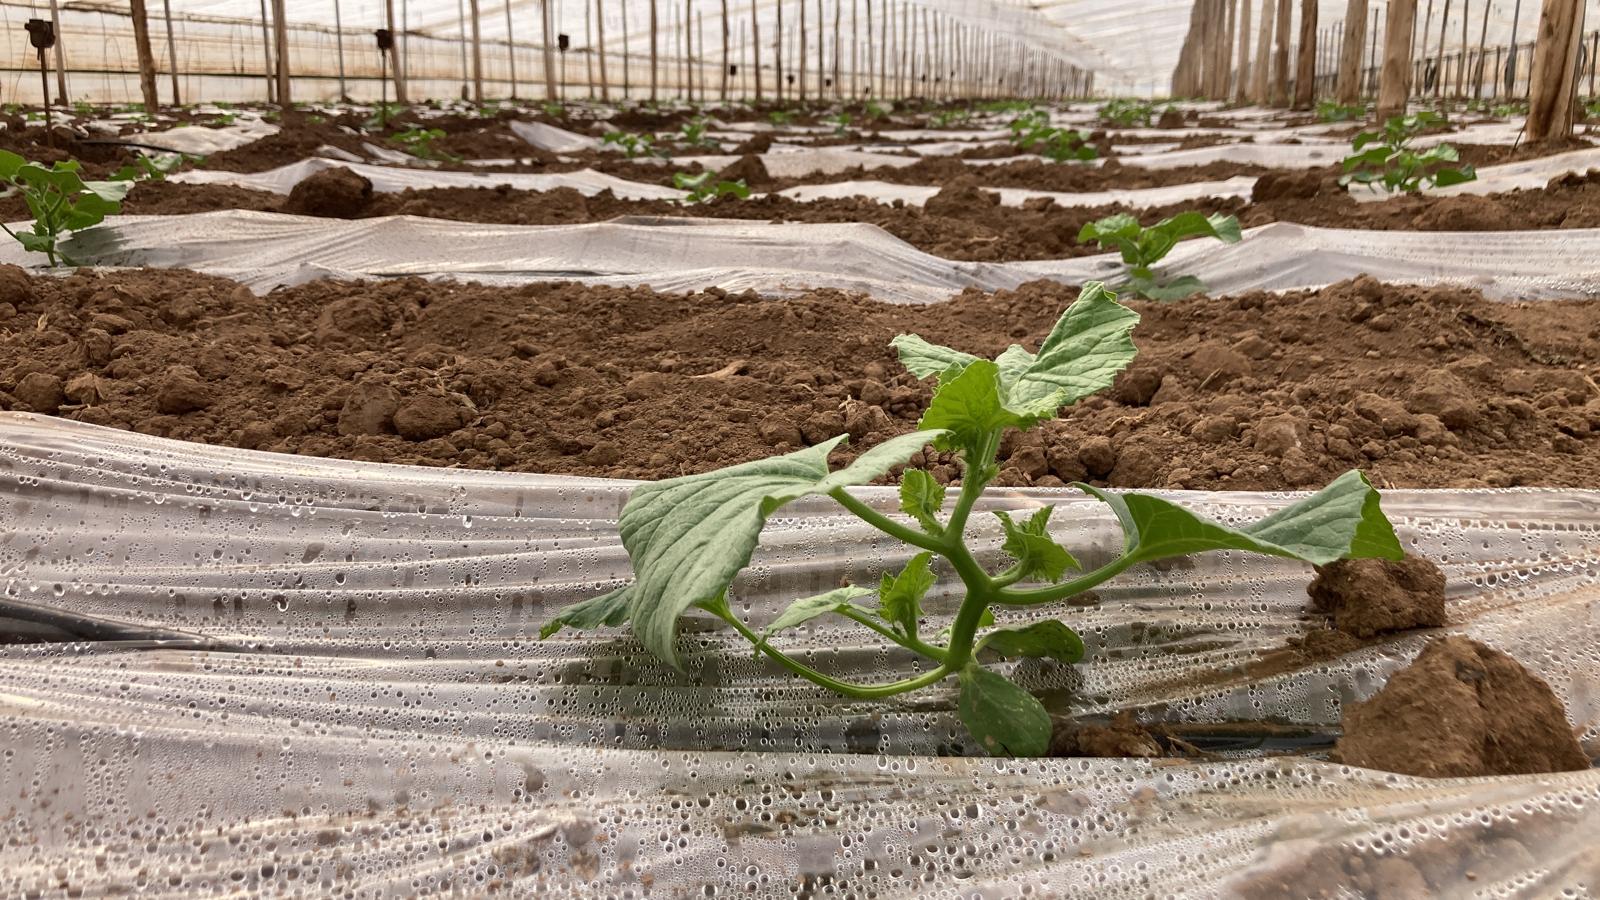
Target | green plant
(693,133)
(1385,158)
(634,145)
(876,112)
(1032,131)
(1127,113)
(689,537)
(1143,247)
(148,168)
(1332,111)
(59,200)
(841,123)
(83,109)
(703,188)
(947,117)
(780,116)
(419,143)
(554,110)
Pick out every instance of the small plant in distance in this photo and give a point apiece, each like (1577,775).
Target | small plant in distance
(1386,158)
(841,123)
(1143,247)
(147,168)
(1127,113)
(689,537)
(703,188)
(1033,131)
(633,145)
(948,117)
(59,200)
(780,117)
(1332,111)
(419,143)
(693,133)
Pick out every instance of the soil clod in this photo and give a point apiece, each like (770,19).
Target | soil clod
(1368,597)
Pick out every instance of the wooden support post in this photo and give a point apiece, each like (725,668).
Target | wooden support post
(821,44)
(1225,77)
(147,60)
(1394,84)
(394,53)
(778,49)
(60,54)
(1553,81)
(1483,39)
(588,48)
(1461,64)
(1241,88)
(1355,39)
(725,58)
(755,44)
(838,9)
(1305,78)
(266,46)
(1438,60)
(1260,85)
(477,53)
(1280,64)
(511,52)
(280,34)
(600,49)
(855,46)
(800,77)
(872,90)
(700,61)
(552,89)
(172,51)
(688,50)
(338,42)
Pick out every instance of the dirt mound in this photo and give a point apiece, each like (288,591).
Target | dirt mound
(334,193)
(750,169)
(1367,597)
(1279,185)
(298,138)
(1243,393)
(1461,709)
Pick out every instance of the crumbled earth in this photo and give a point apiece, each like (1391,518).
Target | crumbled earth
(1419,387)
(1120,738)
(1368,597)
(1461,709)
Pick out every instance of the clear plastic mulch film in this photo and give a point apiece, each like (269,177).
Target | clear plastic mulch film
(275,674)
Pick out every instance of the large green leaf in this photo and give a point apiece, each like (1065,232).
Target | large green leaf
(808,608)
(1032,547)
(1343,520)
(1004,719)
(688,537)
(1048,639)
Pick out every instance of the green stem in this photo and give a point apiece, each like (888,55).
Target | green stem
(885,524)
(847,688)
(910,642)
(1065,589)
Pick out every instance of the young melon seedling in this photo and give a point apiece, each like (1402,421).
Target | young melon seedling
(1386,158)
(1143,247)
(1032,131)
(704,187)
(1127,113)
(689,537)
(633,145)
(60,201)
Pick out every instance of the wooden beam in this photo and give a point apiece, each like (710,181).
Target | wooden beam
(280,36)
(1553,82)
(1438,62)
(1260,85)
(1280,56)
(1394,84)
(477,53)
(1355,40)
(172,51)
(1241,90)
(61,57)
(266,45)
(724,50)
(552,89)
(755,44)
(655,53)
(147,61)
(1305,77)
(600,47)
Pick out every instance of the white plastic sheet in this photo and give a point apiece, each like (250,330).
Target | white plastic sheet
(549,137)
(393,179)
(294,674)
(917,195)
(1518,176)
(202,140)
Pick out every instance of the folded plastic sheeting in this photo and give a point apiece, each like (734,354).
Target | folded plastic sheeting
(1505,265)
(393,179)
(264,250)
(917,195)
(275,674)
(549,137)
(200,140)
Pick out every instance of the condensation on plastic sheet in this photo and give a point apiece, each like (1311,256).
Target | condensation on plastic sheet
(264,250)
(296,674)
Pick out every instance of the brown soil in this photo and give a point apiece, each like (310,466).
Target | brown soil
(1367,597)
(1422,388)
(1461,709)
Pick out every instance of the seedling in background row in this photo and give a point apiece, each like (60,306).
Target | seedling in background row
(1332,111)
(633,145)
(59,200)
(703,188)
(1386,159)
(1033,131)
(419,143)
(689,537)
(1127,113)
(1142,248)
(693,133)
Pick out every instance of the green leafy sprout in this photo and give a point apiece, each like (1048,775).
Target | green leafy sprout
(689,537)
(148,168)
(693,133)
(948,117)
(1142,248)
(634,145)
(59,200)
(1386,158)
(780,117)
(841,123)
(1333,111)
(1127,113)
(704,187)
(419,143)
(1032,131)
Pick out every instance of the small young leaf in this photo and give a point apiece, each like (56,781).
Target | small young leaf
(1447,177)
(922,358)
(1048,639)
(1343,520)
(921,498)
(808,608)
(969,406)
(1031,546)
(1176,289)
(609,609)
(900,596)
(1004,719)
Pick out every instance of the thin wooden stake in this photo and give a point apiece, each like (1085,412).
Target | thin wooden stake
(1553,81)
(1241,90)
(755,45)
(338,38)
(1305,79)
(724,51)
(1280,66)
(477,53)
(280,33)
(838,9)
(266,47)
(172,50)
(800,79)
(61,57)
(1260,86)
(600,46)
(1438,63)
(511,52)
(655,55)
